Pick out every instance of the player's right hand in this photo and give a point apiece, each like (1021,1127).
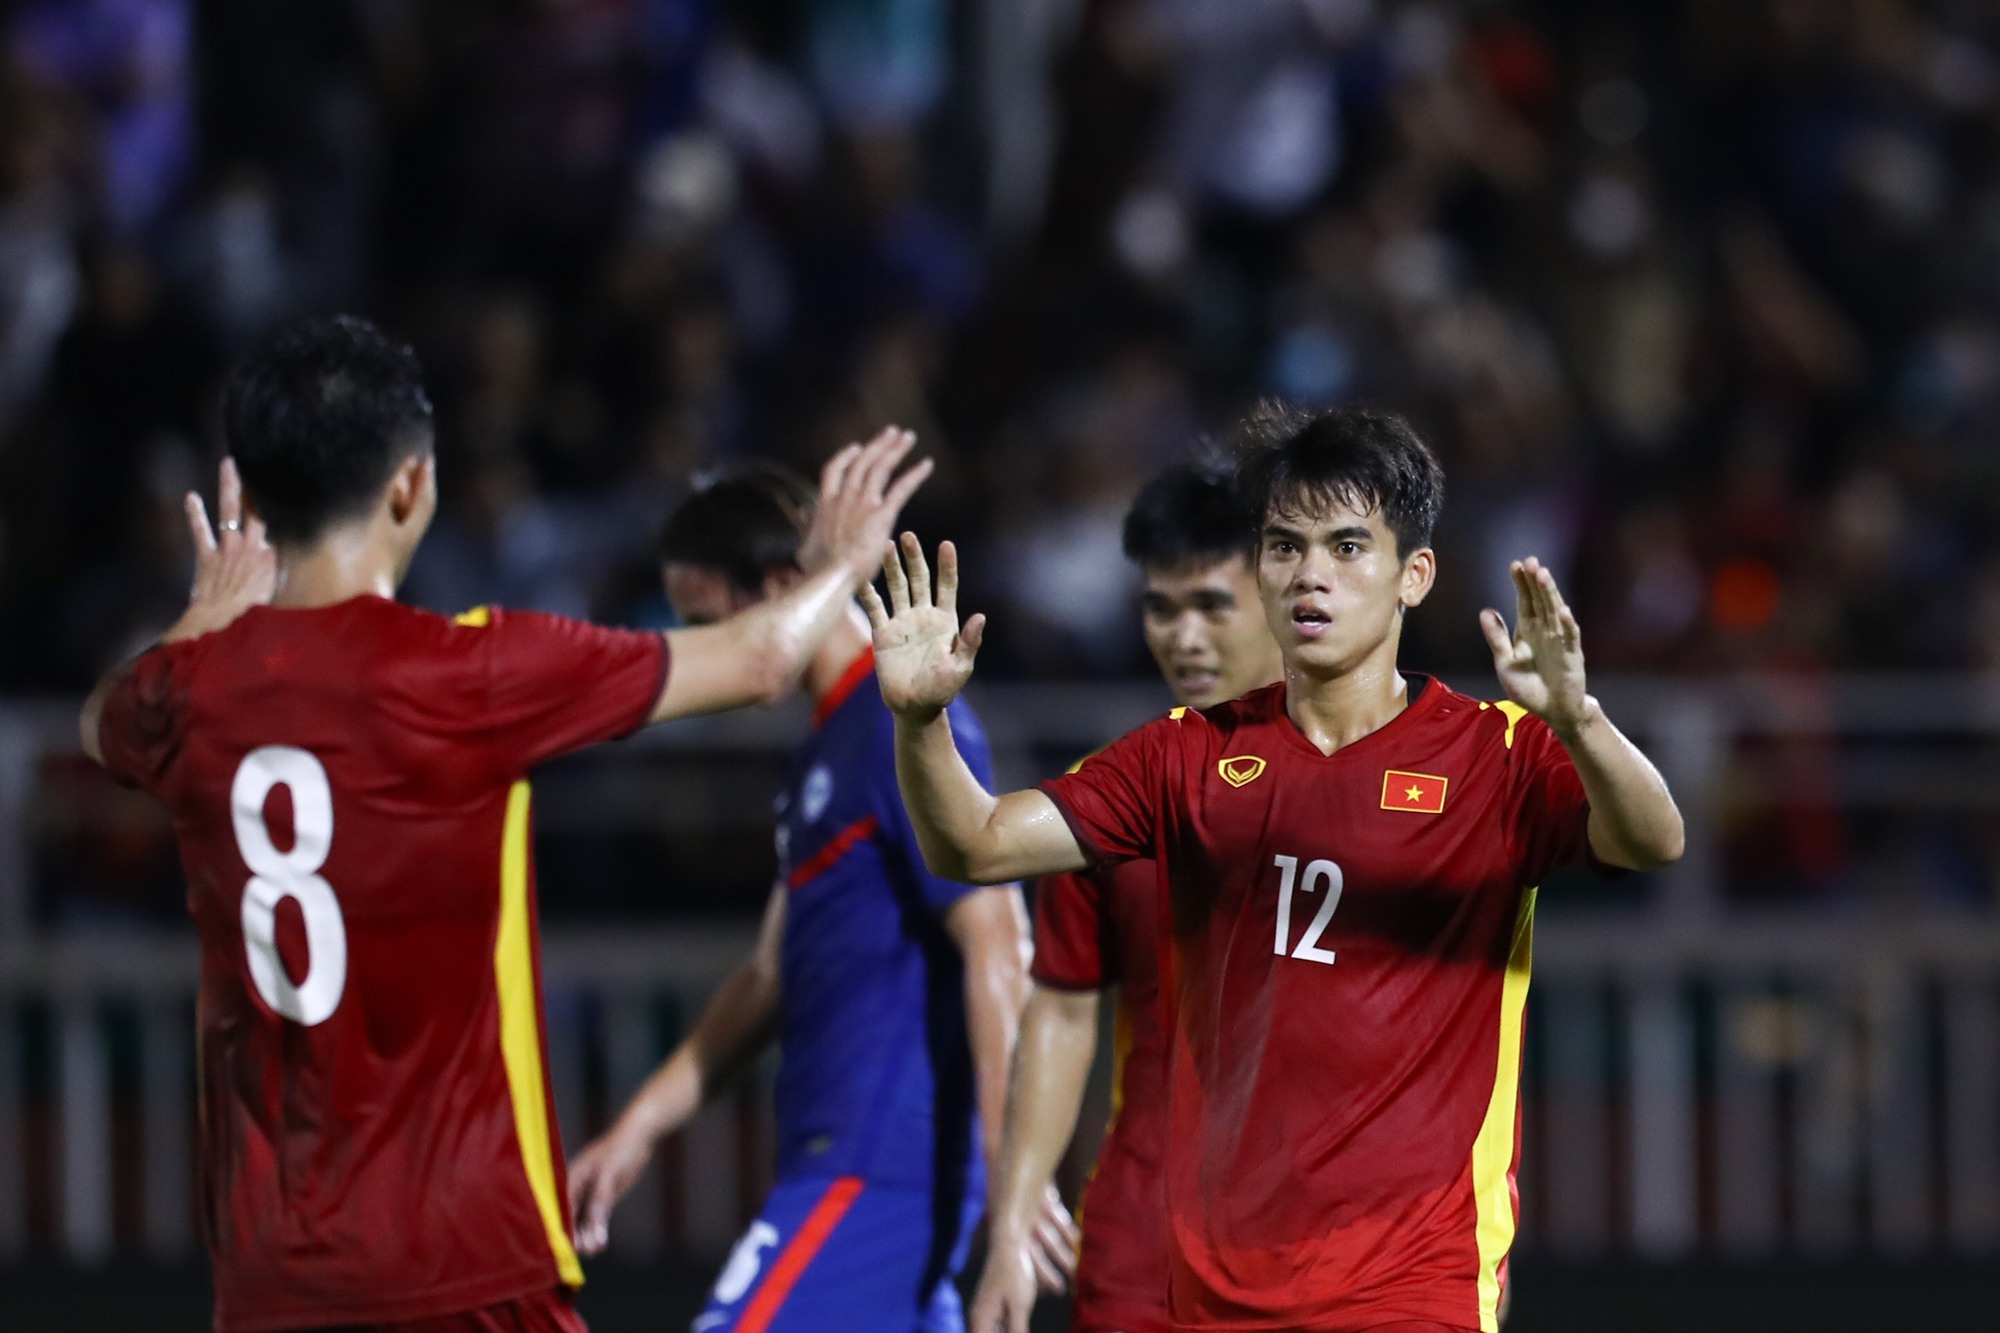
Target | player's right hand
(922,657)
(1007,1289)
(859,503)
(234,568)
(601,1175)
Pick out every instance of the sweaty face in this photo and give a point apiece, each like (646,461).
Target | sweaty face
(1206,629)
(1334,585)
(703,596)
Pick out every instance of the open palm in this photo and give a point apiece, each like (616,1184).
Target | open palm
(1540,664)
(922,656)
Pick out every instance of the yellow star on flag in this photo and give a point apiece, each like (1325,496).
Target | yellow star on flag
(1415,793)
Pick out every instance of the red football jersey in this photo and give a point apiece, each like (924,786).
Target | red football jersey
(347,786)
(1351,937)
(1091,931)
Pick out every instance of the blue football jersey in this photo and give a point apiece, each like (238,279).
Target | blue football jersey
(875,1072)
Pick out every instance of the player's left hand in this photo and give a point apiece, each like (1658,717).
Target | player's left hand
(602,1174)
(234,565)
(1540,664)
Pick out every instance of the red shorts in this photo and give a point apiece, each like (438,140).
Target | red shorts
(551,1311)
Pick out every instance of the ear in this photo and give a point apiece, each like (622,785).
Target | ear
(1419,573)
(778,582)
(409,485)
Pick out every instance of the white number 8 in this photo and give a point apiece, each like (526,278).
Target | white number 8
(276,875)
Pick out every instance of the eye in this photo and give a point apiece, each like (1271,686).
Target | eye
(1349,548)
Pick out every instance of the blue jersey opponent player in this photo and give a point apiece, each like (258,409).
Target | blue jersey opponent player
(894,994)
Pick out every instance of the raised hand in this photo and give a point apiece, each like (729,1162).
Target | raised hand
(1540,664)
(234,565)
(859,503)
(601,1175)
(922,657)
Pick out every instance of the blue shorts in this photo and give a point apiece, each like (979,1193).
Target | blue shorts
(844,1255)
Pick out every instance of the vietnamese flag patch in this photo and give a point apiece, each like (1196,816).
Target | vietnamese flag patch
(1419,792)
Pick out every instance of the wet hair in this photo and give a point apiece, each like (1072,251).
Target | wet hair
(318,414)
(1289,459)
(743,523)
(1189,513)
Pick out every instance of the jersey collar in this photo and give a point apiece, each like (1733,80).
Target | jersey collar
(1425,692)
(860,669)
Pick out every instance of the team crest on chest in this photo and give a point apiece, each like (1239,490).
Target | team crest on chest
(1240,770)
(1419,793)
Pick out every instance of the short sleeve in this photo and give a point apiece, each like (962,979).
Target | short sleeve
(1070,951)
(139,730)
(1111,800)
(1551,810)
(939,894)
(546,685)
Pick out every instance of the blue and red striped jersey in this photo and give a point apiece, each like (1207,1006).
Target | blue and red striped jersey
(875,1077)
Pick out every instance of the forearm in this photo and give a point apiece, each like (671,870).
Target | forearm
(1058,1041)
(1634,822)
(725,1041)
(964,831)
(755,657)
(996,986)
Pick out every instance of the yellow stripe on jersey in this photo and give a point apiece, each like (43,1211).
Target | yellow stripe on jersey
(479,617)
(1510,710)
(1493,1150)
(521,1033)
(1176,714)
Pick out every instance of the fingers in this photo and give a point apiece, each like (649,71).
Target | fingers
(198,525)
(834,475)
(892,578)
(871,602)
(907,484)
(1524,594)
(1497,637)
(972,634)
(919,570)
(1572,633)
(229,498)
(879,460)
(1047,1275)
(947,578)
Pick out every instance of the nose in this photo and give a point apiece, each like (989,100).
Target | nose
(1313,571)
(1187,632)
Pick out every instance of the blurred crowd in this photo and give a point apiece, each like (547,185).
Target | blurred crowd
(1699,301)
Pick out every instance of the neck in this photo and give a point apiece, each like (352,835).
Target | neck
(1338,710)
(346,562)
(850,638)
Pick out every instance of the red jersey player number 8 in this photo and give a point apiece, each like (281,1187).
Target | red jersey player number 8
(1317,873)
(276,876)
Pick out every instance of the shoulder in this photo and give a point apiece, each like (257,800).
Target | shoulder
(1498,726)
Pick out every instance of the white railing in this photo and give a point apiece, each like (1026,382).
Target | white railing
(1701,1079)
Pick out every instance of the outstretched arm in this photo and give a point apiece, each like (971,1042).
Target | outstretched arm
(755,657)
(735,1027)
(922,660)
(1634,822)
(1051,1066)
(234,570)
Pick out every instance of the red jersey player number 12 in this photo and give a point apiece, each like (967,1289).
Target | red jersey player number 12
(1347,971)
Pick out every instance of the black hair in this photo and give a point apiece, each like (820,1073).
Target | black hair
(1358,456)
(744,523)
(1189,513)
(318,414)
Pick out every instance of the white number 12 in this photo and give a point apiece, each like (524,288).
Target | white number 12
(1308,949)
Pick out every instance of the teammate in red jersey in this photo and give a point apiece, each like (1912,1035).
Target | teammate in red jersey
(347,781)
(1205,627)
(1348,860)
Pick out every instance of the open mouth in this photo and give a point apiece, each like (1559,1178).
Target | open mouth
(1310,622)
